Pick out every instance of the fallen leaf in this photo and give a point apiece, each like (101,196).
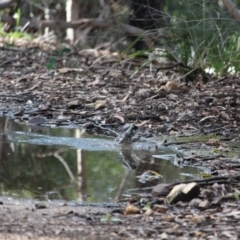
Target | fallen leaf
(207,118)
(198,219)
(66,70)
(131,209)
(142,123)
(83,112)
(63,117)
(149,212)
(176,226)
(168,218)
(119,117)
(213,142)
(43,107)
(125,98)
(101,104)
(171,86)
(160,208)
(74,103)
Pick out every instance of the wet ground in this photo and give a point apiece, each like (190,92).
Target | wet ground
(97,92)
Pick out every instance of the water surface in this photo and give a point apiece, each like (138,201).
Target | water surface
(68,163)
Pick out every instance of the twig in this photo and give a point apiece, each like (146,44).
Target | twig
(30,190)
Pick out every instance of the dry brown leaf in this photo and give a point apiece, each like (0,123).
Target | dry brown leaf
(171,86)
(96,82)
(160,208)
(73,103)
(64,70)
(33,87)
(142,123)
(176,226)
(119,117)
(101,104)
(125,98)
(198,219)
(168,218)
(200,234)
(131,209)
(213,142)
(149,212)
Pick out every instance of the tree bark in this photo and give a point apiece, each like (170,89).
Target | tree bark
(72,14)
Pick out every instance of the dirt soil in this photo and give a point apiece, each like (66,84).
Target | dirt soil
(102,91)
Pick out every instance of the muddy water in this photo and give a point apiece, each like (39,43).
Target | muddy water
(68,163)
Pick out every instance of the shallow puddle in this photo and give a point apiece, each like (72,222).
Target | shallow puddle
(67,163)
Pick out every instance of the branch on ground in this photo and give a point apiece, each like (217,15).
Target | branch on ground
(84,23)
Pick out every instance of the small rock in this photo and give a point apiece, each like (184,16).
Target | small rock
(191,191)
(40,205)
(176,194)
(204,204)
(183,192)
(161,189)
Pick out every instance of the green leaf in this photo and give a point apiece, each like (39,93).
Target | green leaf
(236,196)
(116,220)
(147,206)
(51,64)
(62,51)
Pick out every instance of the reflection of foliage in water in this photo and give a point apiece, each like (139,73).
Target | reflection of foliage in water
(105,174)
(35,166)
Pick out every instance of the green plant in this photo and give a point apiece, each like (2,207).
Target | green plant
(18,17)
(203,36)
(18,31)
(236,196)
(206,39)
(109,218)
(51,64)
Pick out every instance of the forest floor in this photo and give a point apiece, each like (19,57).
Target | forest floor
(102,92)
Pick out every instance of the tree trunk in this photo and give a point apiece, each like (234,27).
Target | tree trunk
(72,14)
